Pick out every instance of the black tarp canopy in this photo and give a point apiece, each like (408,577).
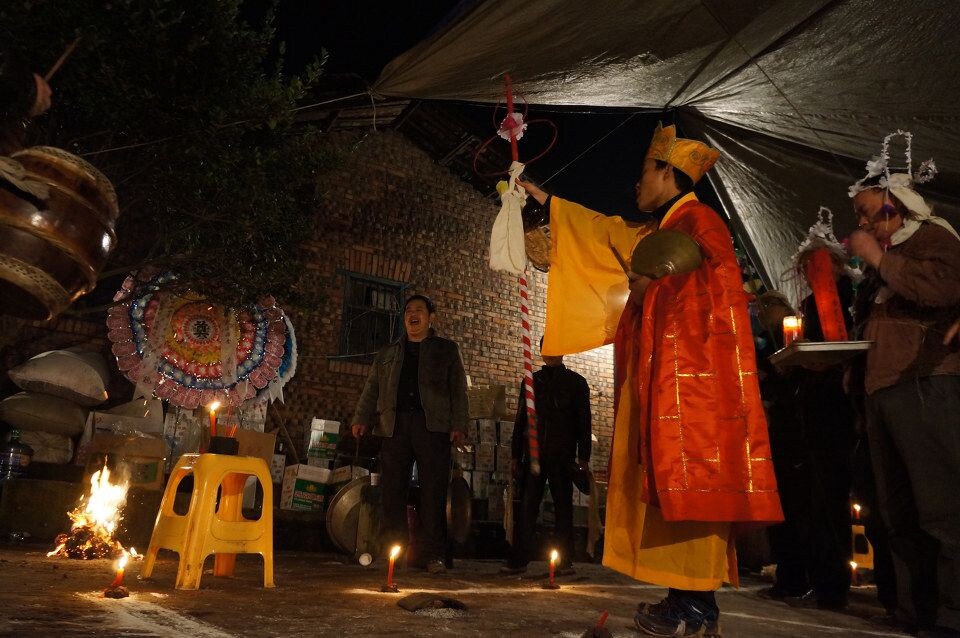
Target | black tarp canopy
(796,94)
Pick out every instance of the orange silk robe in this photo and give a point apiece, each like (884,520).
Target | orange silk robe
(690,453)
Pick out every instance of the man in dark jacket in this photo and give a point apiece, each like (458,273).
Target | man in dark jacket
(562,399)
(415,398)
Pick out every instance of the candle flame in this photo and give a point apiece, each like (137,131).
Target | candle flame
(122,562)
(554,555)
(856,507)
(394,552)
(214,406)
(853,565)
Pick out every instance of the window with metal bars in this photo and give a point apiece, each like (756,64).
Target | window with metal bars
(372,315)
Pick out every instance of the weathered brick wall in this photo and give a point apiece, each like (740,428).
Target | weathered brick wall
(392,212)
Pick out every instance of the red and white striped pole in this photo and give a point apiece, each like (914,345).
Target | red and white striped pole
(532,438)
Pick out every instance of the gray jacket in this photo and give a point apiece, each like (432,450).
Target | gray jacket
(442,380)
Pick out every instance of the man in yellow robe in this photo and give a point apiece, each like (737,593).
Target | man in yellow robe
(691,455)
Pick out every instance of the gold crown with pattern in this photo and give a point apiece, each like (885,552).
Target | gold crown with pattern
(690,156)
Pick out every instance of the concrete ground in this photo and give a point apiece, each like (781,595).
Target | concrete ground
(320,595)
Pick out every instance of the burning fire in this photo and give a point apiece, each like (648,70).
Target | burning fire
(95,520)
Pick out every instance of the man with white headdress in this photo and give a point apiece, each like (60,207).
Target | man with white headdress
(906,305)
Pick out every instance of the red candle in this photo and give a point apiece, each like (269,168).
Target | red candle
(553,564)
(118,580)
(856,511)
(853,573)
(393,558)
(213,417)
(819,269)
(792,329)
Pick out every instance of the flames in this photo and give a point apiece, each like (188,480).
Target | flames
(95,520)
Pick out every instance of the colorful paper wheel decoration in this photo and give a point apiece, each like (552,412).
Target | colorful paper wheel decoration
(190,352)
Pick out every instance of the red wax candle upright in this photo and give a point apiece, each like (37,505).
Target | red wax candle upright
(819,269)
(118,579)
(792,329)
(393,559)
(213,417)
(553,565)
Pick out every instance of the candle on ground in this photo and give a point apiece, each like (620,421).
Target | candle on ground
(393,559)
(856,511)
(118,580)
(553,564)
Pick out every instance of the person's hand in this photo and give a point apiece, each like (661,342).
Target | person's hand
(358,430)
(638,288)
(952,333)
(866,247)
(534,191)
(44,95)
(456,437)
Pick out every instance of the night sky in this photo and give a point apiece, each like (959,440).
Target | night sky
(361,37)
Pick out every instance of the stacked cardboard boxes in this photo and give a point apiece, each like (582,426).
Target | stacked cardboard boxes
(485,459)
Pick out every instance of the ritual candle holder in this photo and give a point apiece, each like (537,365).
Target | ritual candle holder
(223,445)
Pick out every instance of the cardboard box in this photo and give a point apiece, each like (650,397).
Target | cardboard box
(485,457)
(322,440)
(488,402)
(495,505)
(138,456)
(305,488)
(148,414)
(503,458)
(347,473)
(487,431)
(257,444)
(506,432)
(479,484)
(277,465)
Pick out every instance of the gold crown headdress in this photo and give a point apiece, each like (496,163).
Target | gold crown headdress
(903,176)
(690,156)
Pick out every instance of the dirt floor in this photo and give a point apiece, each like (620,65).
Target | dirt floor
(320,595)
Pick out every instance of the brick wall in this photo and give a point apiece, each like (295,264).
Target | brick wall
(392,212)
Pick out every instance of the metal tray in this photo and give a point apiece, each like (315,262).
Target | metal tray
(343,515)
(818,353)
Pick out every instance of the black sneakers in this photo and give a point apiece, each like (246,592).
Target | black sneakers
(677,618)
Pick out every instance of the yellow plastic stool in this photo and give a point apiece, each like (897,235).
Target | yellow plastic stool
(205,529)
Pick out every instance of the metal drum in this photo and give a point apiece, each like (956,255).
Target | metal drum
(52,249)
(343,514)
(459,509)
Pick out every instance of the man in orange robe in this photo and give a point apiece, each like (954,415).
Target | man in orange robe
(691,454)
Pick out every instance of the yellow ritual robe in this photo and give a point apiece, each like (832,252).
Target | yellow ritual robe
(587,291)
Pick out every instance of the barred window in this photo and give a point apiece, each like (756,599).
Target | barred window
(371,315)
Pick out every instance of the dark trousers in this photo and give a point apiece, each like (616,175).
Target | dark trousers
(865,493)
(812,461)
(412,442)
(559,476)
(914,432)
